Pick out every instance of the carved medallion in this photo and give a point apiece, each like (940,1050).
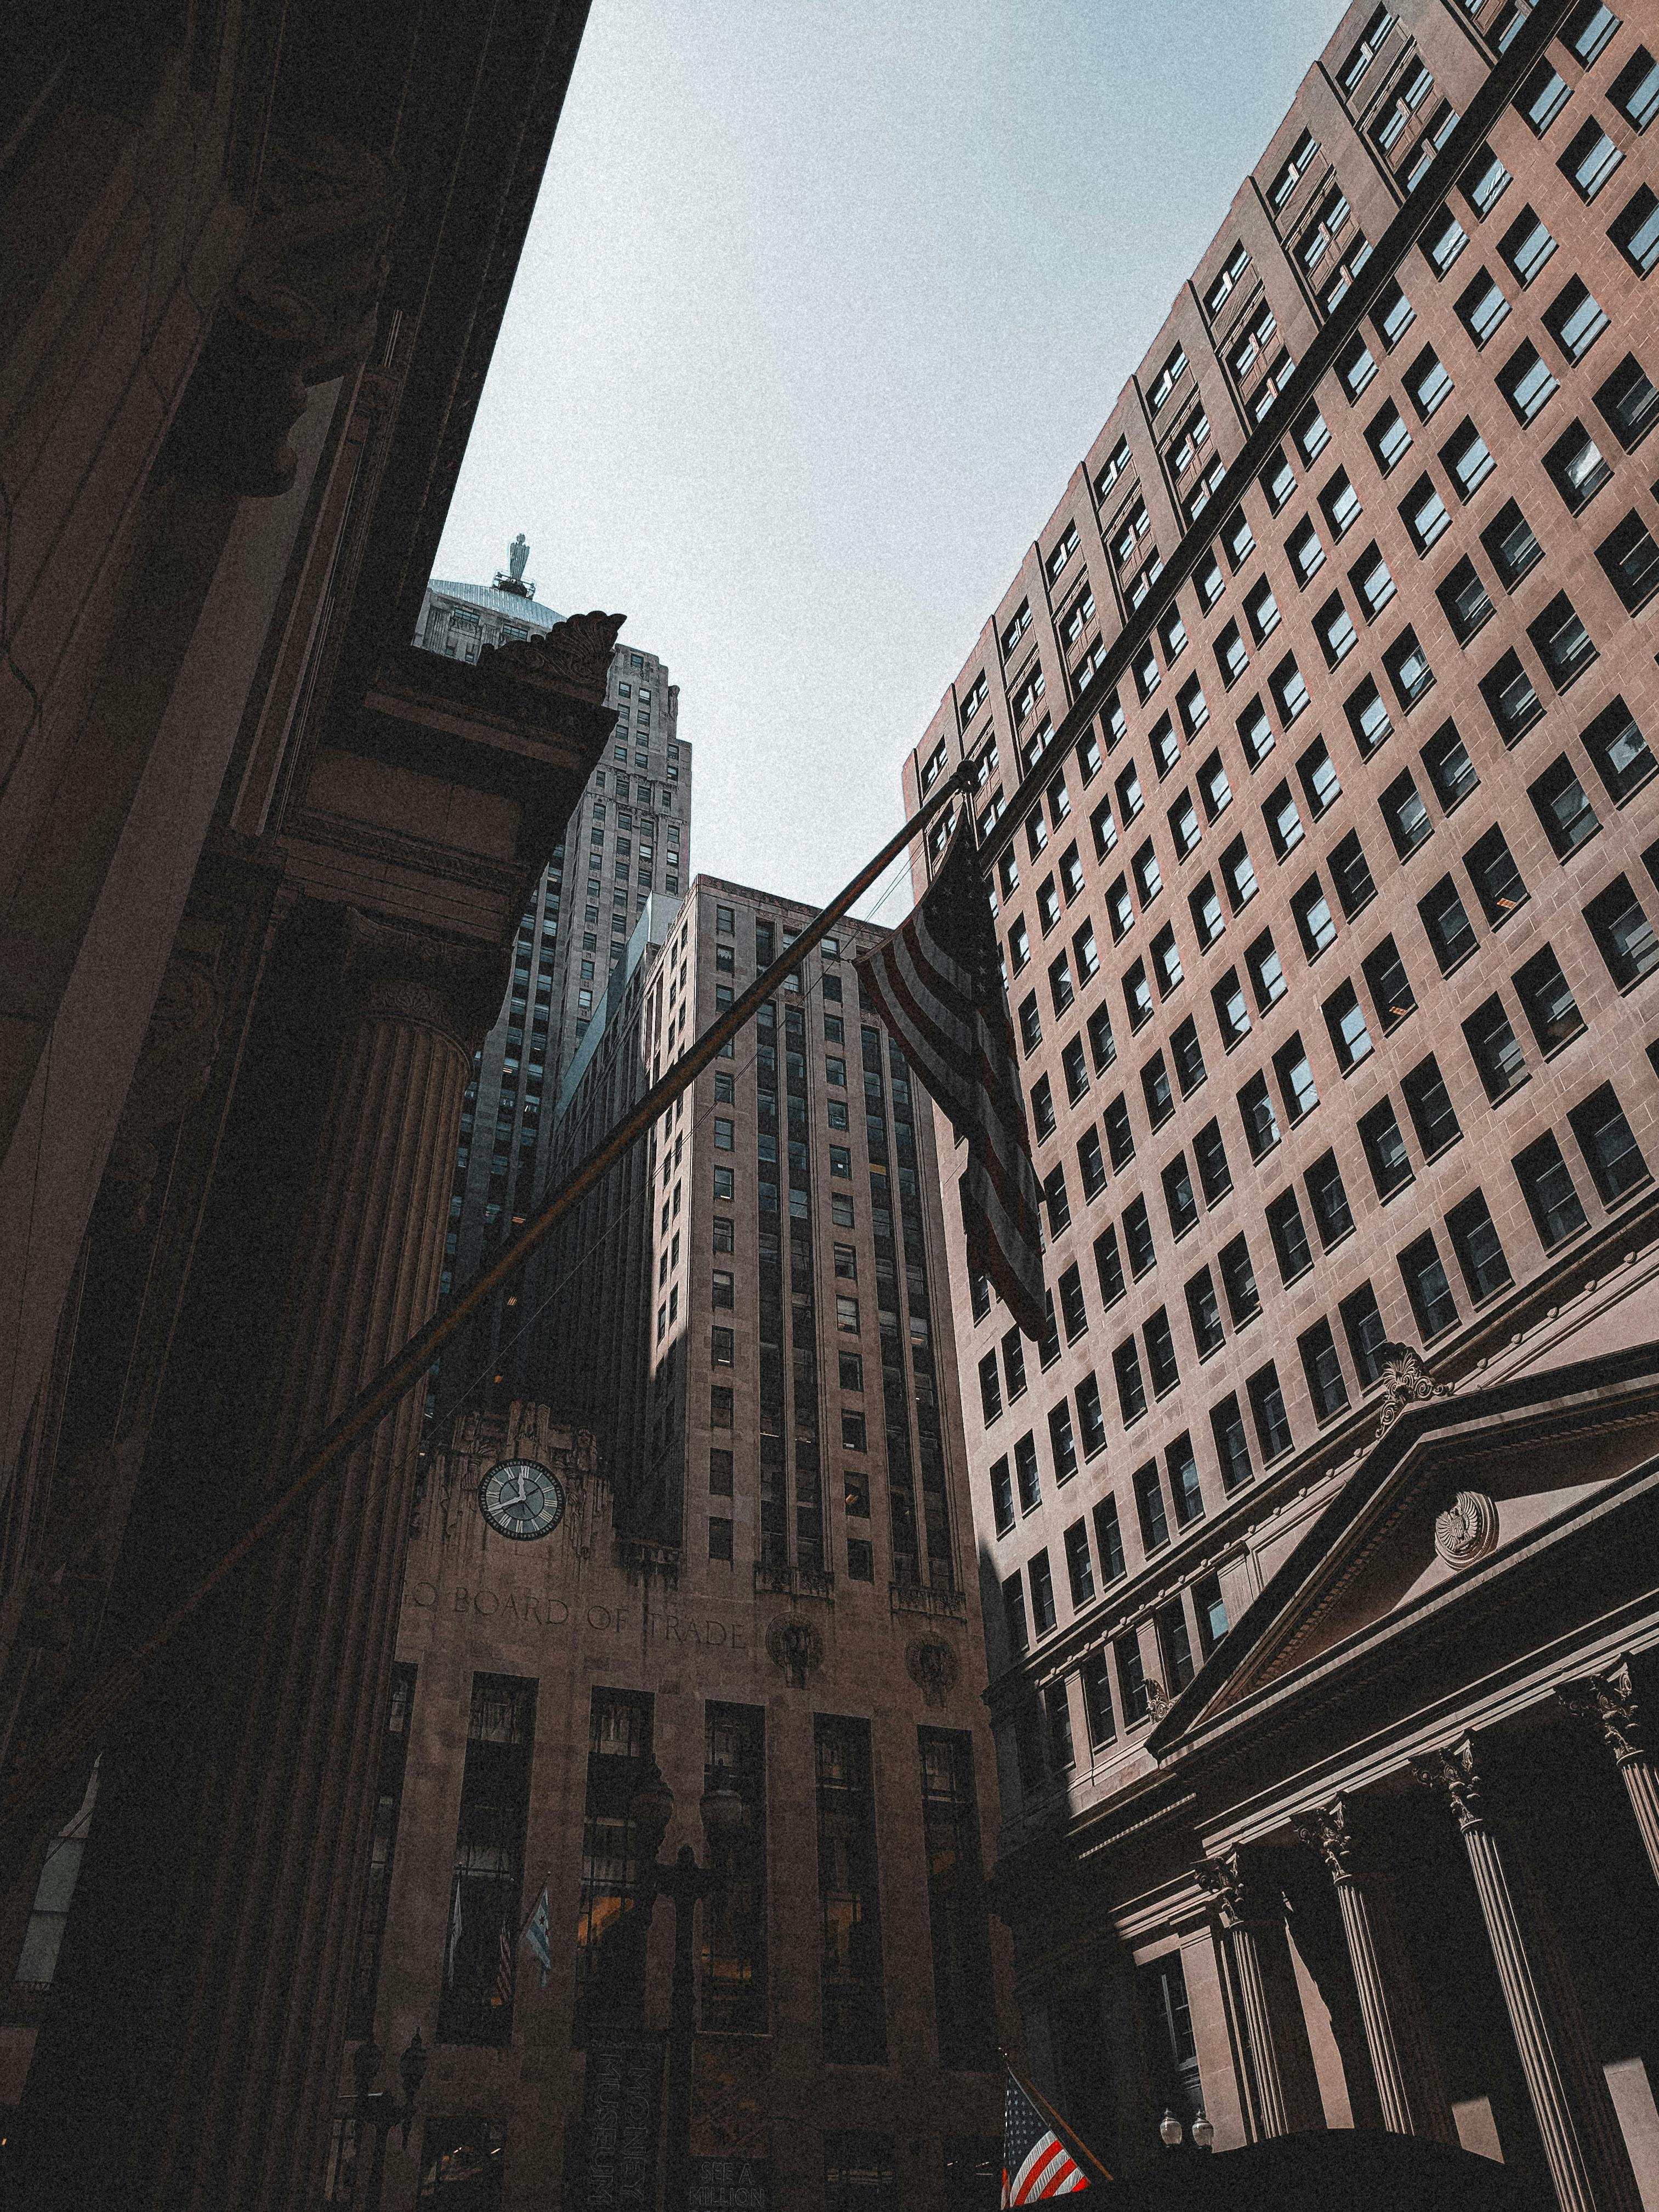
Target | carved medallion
(932,1666)
(795,1649)
(1467,1529)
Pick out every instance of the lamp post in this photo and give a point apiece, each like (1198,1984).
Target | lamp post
(379,2110)
(1170,2132)
(683,1884)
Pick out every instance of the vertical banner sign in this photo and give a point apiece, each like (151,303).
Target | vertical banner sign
(621,2120)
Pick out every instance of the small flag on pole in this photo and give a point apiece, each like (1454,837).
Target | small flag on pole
(936,983)
(1036,2160)
(538,1933)
(504,1969)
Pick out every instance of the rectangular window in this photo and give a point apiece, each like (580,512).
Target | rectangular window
(1211,1154)
(1497,880)
(1328,1198)
(1131,1390)
(1091,1417)
(957,1904)
(1025,1471)
(1431,1107)
(1323,1369)
(1618,751)
(1273,1426)
(1447,925)
(1479,1255)
(1291,1245)
(383,1837)
(1231,1446)
(1497,1057)
(1078,1567)
(1609,1145)
(1097,1710)
(1426,1287)
(855,2008)
(1351,875)
(734,1918)
(1204,1311)
(1149,1503)
(1548,1001)
(1385,1150)
(1366,1332)
(1547,1186)
(1239,1280)
(1042,1593)
(619,1755)
(1623,934)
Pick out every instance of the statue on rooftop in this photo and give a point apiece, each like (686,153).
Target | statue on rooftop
(516,554)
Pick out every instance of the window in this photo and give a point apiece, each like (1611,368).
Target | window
(1350,1038)
(1563,643)
(1207,914)
(1498,1059)
(1407,817)
(1160,1352)
(1631,558)
(855,2012)
(1273,1426)
(1547,1000)
(1587,29)
(1109,1267)
(1266,971)
(489,1863)
(1042,1592)
(1260,1124)
(1323,1369)
(1351,874)
(1388,984)
(1496,878)
(1590,161)
(1291,1245)
(1334,625)
(1424,1277)
(1307,557)
(1447,925)
(1623,934)
(1569,819)
(1467,607)
(1213,1173)
(1131,1390)
(1355,367)
(1155,1083)
(1488,181)
(1072,1309)
(1138,995)
(1138,1236)
(1204,1311)
(1618,751)
(1635,91)
(1025,1466)
(1431,1107)
(1542,98)
(1629,402)
(1385,1150)
(1092,1418)
(1284,822)
(1446,238)
(1609,1147)
(1120,1137)
(1482,307)
(1511,698)
(1526,383)
(1479,1255)
(1255,733)
(1408,670)
(1547,1188)
(1389,438)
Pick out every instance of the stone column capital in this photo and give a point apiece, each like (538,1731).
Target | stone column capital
(453,985)
(1450,1773)
(1610,1701)
(1328,1831)
(1238,1895)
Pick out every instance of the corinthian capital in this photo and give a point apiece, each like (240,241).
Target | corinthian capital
(1326,1831)
(453,985)
(1450,1772)
(1609,1700)
(1238,1894)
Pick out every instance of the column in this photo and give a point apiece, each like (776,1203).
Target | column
(1408,2108)
(1610,1700)
(1587,2160)
(197,2062)
(1238,1902)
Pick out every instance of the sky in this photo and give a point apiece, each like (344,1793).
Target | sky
(820,306)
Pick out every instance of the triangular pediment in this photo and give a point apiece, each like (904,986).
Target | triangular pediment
(1448,1491)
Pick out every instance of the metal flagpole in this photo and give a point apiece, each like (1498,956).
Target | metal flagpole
(34,1773)
(1065,2126)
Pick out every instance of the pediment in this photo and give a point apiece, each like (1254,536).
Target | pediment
(1446,1494)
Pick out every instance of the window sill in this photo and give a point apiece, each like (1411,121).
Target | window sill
(1450,1145)
(1387,1198)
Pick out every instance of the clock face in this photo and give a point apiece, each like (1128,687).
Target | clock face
(521,1500)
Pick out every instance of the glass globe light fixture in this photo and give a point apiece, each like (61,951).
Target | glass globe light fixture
(1170,2130)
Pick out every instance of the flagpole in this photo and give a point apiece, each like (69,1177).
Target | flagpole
(33,1774)
(1065,2126)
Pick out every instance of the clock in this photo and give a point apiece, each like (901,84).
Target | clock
(521,1499)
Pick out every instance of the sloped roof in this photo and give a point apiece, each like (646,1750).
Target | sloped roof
(531,612)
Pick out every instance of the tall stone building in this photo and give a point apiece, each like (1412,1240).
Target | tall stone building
(261,865)
(762,1577)
(631,835)
(1315,745)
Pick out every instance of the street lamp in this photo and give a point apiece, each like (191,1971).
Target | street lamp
(379,2110)
(1170,2130)
(682,1883)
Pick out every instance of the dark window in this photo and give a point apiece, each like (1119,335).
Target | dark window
(1175,1645)
(1497,880)
(1362,1325)
(1149,1502)
(1450,769)
(488,1878)
(1629,403)
(1138,1236)
(1101,1046)
(1623,934)
(1091,1417)
(1510,545)
(1132,1680)
(1562,641)
(1042,1593)
(1232,1016)
(1569,819)
(1181,1464)
(1548,1001)
(1002,1496)
(1161,1353)
(1097,1710)
(1079,1568)
(1273,1426)
(1427,1288)
(1314,922)
(1155,1085)
(1204,1310)
(1351,875)
(1465,601)
(1239,1280)
(990,1389)
(734,1916)
(1091,1164)
(1211,1611)
(619,1752)
(1110,1267)
(1631,558)
(1059,1205)
(1618,750)
(383,1838)
(1323,1369)
(1178,1195)
(1213,1173)
(1609,1146)
(1189,1057)
(1576,468)
(854,2008)
(1333,1217)
(1635,90)
(1013,1362)
(1547,1188)
(1511,697)
(1385,1150)
(1497,1057)
(1261,1123)
(1231,1446)
(1108,1541)
(1525,247)
(1407,815)
(1120,1137)
(1388,984)
(1131,1390)
(1025,1472)
(1061,1441)
(1447,925)
(1073,1311)
(1479,1255)
(1430,1107)
(957,1904)
(1295,1082)
(1290,1238)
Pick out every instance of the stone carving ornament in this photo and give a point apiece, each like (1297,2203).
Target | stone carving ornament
(795,1649)
(1406,1382)
(932,1666)
(1467,1529)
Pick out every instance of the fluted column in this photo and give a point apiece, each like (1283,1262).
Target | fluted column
(1582,2143)
(1384,2006)
(1237,1900)
(1610,1701)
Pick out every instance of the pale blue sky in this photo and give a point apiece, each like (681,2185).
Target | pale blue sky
(820,306)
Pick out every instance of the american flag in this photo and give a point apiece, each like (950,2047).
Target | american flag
(937,984)
(1035,2163)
